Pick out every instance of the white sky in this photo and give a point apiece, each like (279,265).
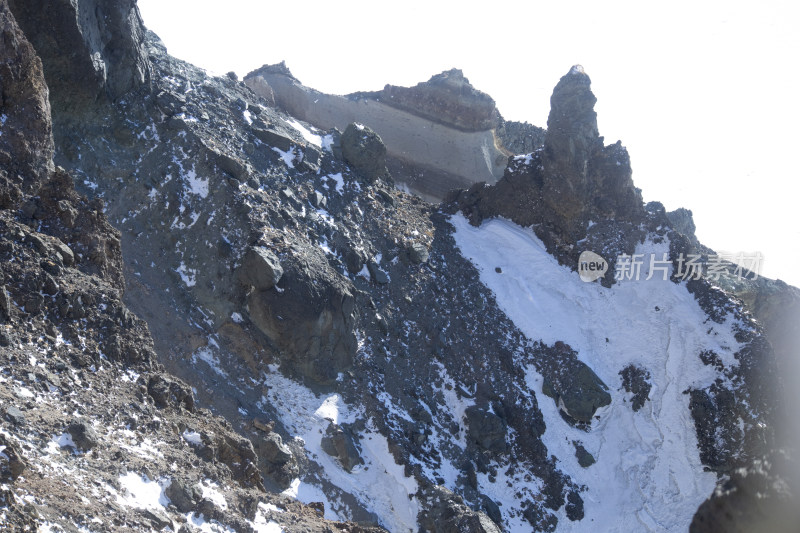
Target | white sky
(703,94)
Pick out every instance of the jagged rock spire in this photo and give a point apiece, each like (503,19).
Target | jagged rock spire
(581,175)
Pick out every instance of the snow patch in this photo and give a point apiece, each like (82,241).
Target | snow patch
(648,475)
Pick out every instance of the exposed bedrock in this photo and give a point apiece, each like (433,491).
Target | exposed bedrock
(451,148)
(106,42)
(310,315)
(573,189)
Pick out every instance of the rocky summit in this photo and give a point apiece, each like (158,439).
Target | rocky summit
(250,306)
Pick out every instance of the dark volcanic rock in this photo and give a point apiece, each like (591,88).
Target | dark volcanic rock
(585,459)
(339,442)
(447,98)
(448,514)
(84,436)
(260,268)
(183,496)
(572,180)
(12,462)
(486,429)
(636,380)
(311,317)
(26,143)
(106,43)
(578,392)
(364,150)
(582,177)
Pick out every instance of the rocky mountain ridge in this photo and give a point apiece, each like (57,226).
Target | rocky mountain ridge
(439,135)
(358,357)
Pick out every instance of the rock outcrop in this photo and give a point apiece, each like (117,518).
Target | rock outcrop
(363,149)
(26,139)
(439,135)
(447,98)
(572,181)
(105,40)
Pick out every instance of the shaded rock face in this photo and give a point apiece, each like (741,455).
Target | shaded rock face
(339,442)
(364,150)
(448,514)
(572,138)
(578,393)
(105,39)
(579,172)
(486,429)
(759,497)
(310,316)
(447,98)
(260,268)
(572,180)
(26,140)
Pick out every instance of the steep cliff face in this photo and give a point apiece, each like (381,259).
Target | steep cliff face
(439,135)
(26,141)
(572,189)
(104,40)
(447,98)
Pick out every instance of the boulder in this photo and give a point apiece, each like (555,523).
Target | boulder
(377,274)
(274,451)
(12,462)
(418,253)
(183,496)
(578,391)
(312,319)
(486,429)
(169,392)
(365,152)
(83,435)
(585,459)
(340,443)
(260,268)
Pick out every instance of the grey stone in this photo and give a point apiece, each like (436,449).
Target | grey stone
(184,498)
(260,268)
(585,459)
(12,462)
(157,518)
(364,150)
(83,435)
(318,200)
(64,251)
(15,416)
(5,304)
(486,429)
(274,451)
(418,253)
(338,442)
(378,276)
(578,392)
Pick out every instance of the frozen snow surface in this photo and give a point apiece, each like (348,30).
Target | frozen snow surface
(648,475)
(310,137)
(379,484)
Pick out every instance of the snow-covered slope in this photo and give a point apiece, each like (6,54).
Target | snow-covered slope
(648,475)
